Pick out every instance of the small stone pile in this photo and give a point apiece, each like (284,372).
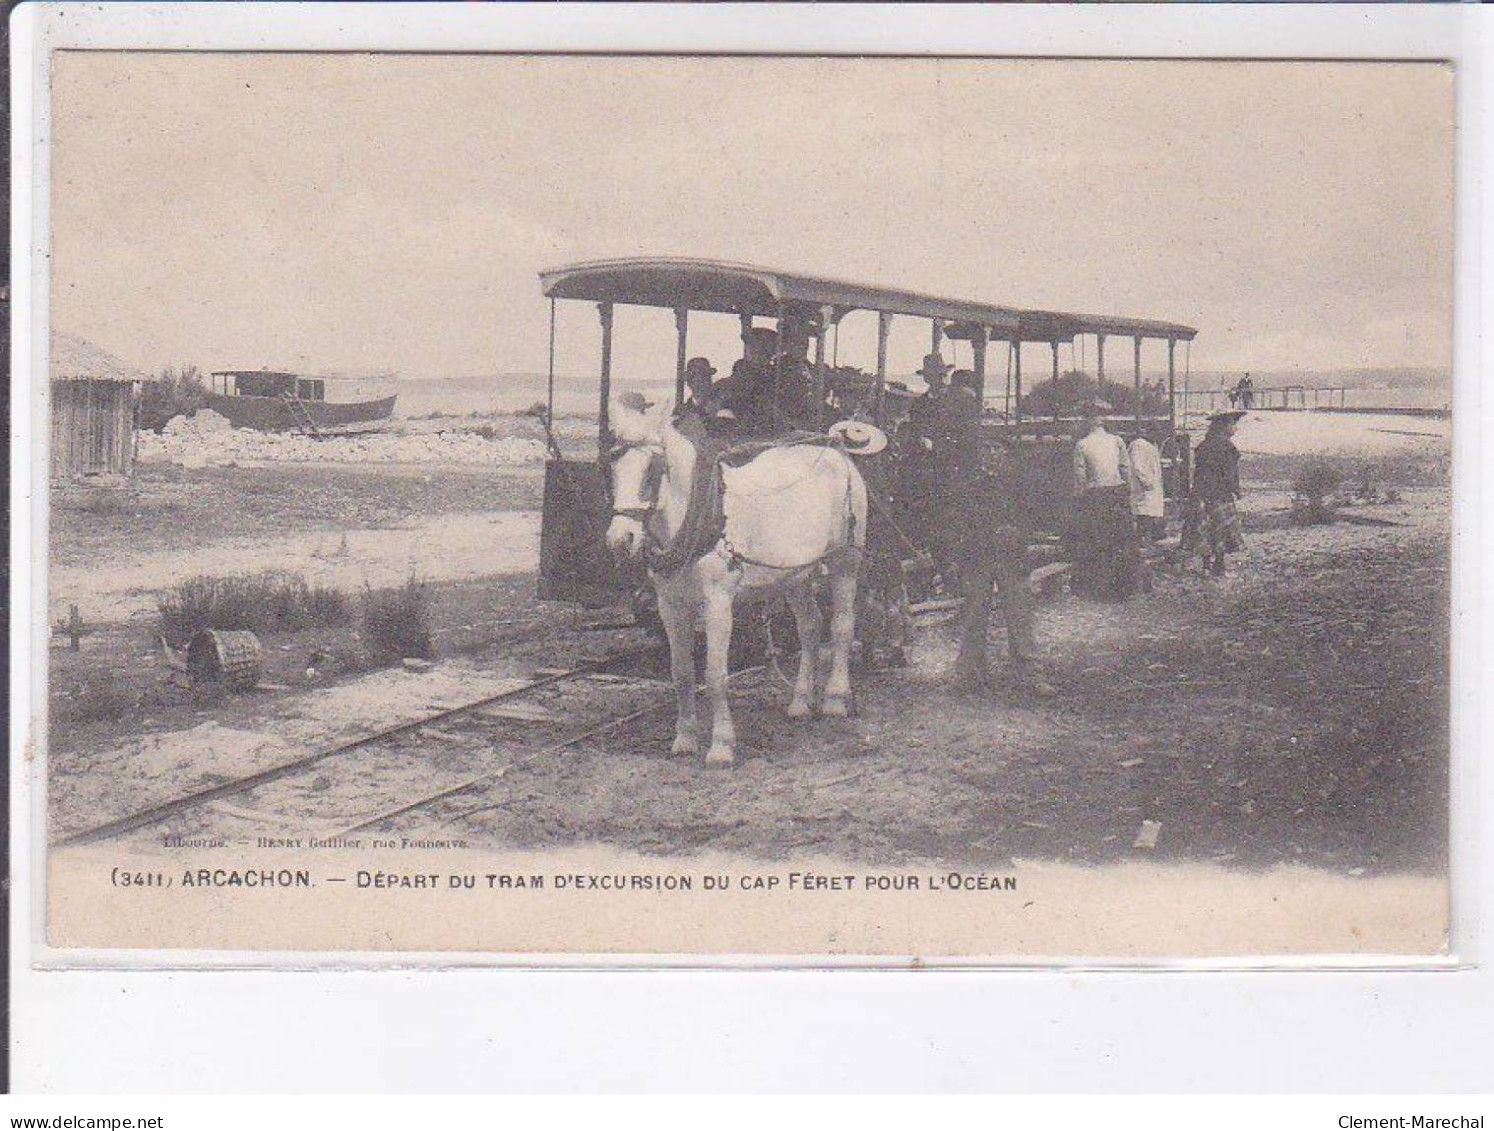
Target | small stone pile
(207,439)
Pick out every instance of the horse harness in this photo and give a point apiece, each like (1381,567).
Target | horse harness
(704,525)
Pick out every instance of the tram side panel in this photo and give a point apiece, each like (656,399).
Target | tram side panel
(575,564)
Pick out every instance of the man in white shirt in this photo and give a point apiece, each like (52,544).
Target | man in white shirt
(1148,504)
(1104,536)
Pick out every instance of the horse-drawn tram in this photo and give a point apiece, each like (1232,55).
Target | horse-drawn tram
(806,312)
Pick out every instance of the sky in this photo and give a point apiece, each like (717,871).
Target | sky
(364,213)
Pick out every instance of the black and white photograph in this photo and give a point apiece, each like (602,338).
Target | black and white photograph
(984,509)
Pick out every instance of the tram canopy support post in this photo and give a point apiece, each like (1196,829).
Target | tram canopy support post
(604,421)
(1172,407)
(1099,365)
(884,328)
(1136,381)
(978,338)
(550,389)
(1017,375)
(821,330)
(682,330)
(936,339)
(1007,407)
(1054,344)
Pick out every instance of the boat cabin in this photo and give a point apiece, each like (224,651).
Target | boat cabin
(267,383)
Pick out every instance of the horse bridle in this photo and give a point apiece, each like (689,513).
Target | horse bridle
(653,480)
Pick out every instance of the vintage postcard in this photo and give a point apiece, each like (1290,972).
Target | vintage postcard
(718,509)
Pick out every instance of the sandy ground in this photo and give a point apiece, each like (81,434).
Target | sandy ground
(1288,721)
(444,548)
(1288,715)
(1294,713)
(1354,434)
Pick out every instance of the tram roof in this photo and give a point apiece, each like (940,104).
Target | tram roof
(1059,326)
(1054,325)
(739,288)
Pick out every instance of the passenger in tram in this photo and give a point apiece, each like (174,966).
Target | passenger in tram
(742,404)
(699,373)
(920,481)
(795,387)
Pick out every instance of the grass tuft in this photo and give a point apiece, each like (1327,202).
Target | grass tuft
(397,622)
(263,603)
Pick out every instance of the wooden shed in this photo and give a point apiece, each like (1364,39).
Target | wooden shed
(94,398)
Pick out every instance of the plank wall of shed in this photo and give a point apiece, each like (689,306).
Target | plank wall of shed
(93,428)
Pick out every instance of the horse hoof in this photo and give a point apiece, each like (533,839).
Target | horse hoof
(684,744)
(835,707)
(719,756)
(798,709)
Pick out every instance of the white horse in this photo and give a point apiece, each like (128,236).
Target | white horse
(788,511)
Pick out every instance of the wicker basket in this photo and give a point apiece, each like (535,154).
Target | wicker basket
(230,658)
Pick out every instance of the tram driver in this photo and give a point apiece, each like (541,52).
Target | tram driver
(744,400)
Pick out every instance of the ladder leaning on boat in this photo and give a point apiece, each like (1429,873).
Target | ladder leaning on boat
(301,415)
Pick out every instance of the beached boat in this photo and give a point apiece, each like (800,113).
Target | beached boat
(271,401)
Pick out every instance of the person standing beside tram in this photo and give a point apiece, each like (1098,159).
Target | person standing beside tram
(1105,543)
(1216,486)
(986,528)
(1148,500)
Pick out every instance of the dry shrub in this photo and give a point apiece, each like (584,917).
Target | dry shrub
(102,502)
(96,702)
(1382,480)
(397,622)
(1312,492)
(263,603)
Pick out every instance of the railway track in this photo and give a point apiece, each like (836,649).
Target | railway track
(459,749)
